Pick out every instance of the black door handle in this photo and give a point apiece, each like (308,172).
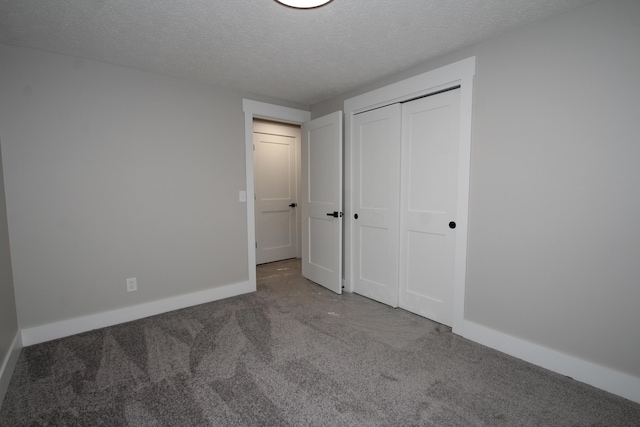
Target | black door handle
(452,225)
(293,205)
(335,214)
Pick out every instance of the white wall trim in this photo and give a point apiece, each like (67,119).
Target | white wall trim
(599,376)
(459,73)
(412,87)
(51,331)
(9,364)
(260,110)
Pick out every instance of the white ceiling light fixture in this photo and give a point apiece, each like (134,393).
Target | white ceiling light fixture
(304,4)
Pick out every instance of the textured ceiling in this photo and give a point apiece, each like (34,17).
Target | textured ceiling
(261,46)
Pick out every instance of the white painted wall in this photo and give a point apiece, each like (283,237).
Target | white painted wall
(554,230)
(113,173)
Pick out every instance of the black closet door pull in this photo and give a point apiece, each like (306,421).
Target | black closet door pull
(355,216)
(452,225)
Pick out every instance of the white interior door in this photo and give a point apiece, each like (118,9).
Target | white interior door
(321,201)
(376,202)
(430,143)
(275,197)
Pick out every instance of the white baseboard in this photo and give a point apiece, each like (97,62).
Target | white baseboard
(604,378)
(52,331)
(9,364)
(599,376)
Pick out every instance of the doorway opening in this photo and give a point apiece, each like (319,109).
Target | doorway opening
(260,110)
(276,169)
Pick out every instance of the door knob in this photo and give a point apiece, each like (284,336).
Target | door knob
(452,225)
(355,216)
(335,214)
(293,205)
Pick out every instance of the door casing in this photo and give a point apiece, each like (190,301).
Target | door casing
(260,110)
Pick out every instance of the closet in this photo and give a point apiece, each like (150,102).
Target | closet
(404,201)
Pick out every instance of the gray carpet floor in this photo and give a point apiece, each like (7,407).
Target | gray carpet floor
(292,354)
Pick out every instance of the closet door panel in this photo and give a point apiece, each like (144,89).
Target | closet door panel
(376,195)
(430,140)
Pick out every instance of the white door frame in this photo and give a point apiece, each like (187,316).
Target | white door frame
(260,110)
(459,73)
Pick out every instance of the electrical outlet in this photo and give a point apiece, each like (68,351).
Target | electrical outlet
(132,284)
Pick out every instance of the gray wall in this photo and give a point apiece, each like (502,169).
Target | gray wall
(554,228)
(8,318)
(113,173)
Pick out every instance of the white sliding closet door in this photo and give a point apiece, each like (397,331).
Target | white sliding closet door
(430,141)
(376,196)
